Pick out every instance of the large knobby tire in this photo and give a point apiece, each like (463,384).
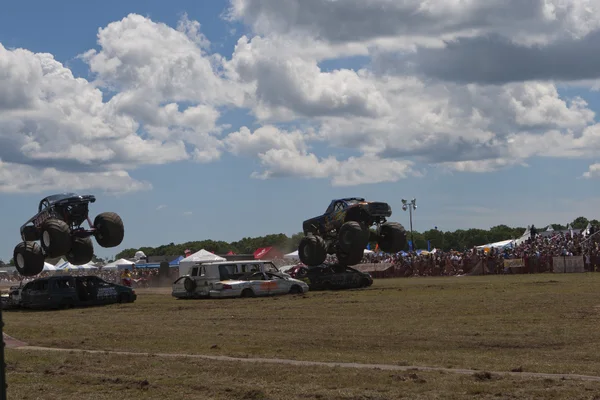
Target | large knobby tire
(353,234)
(109,229)
(312,250)
(28,258)
(55,238)
(393,237)
(352,257)
(82,251)
(30,234)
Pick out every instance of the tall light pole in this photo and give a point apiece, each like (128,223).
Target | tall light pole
(410,206)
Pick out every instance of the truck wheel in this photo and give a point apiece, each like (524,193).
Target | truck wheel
(352,257)
(30,234)
(312,250)
(393,237)
(55,238)
(109,229)
(29,258)
(352,235)
(82,251)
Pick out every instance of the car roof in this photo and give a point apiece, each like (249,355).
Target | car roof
(47,278)
(234,262)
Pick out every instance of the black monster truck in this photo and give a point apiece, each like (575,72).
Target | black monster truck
(344,230)
(57,226)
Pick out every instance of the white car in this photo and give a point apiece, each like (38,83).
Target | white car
(259,284)
(235,279)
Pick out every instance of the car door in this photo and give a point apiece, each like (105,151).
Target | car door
(260,284)
(30,293)
(105,292)
(277,284)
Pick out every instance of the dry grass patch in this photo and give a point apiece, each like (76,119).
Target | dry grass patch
(539,323)
(40,375)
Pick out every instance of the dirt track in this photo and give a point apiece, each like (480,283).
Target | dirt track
(18,345)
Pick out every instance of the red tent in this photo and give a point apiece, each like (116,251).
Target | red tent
(231,253)
(267,253)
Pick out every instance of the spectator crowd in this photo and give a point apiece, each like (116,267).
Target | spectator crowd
(537,254)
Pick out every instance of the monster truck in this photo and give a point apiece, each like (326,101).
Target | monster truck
(57,225)
(345,230)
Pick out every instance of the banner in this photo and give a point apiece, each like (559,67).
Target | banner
(568,264)
(514,263)
(371,267)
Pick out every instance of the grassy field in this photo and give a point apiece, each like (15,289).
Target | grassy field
(35,375)
(538,323)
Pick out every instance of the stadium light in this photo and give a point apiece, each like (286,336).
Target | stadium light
(410,206)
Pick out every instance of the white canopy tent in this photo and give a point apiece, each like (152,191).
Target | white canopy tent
(525,237)
(66,266)
(201,256)
(293,255)
(87,267)
(498,245)
(48,267)
(123,263)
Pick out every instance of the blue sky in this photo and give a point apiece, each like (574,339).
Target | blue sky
(220,201)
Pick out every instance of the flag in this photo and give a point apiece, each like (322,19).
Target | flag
(376,247)
(429,245)
(368,246)
(410,245)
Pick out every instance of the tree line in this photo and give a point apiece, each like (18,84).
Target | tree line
(460,240)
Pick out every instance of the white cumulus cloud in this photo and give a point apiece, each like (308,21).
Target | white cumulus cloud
(453,84)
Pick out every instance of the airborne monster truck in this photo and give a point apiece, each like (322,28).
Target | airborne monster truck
(344,230)
(57,226)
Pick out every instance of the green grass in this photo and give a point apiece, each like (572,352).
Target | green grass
(541,323)
(38,375)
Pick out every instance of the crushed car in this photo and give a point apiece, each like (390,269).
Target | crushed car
(58,227)
(331,277)
(226,279)
(66,291)
(345,230)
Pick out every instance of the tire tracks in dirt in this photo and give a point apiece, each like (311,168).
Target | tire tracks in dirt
(21,346)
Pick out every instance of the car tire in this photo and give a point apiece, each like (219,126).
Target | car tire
(123,298)
(392,237)
(312,250)
(55,238)
(28,258)
(295,289)
(109,229)
(352,257)
(247,293)
(189,284)
(66,304)
(353,234)
(82,251)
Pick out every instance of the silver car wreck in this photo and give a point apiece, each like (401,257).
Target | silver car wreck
(238,279)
